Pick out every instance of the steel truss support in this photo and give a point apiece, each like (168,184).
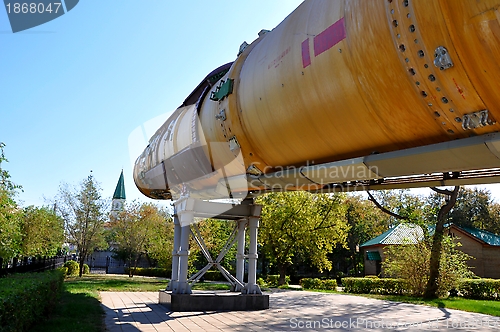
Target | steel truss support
(246,214)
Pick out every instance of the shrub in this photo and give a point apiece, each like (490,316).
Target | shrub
(86,269)
(480,289)
(315,283)
(150,272)
(64,270)
(27,298)
(214,276)
(411,262)
(386,286)
(273,279)
(261,282)
(73,268)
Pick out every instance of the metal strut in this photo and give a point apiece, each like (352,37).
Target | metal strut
(246,215)
(195,232)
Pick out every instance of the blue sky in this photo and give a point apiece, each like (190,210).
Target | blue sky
(74,90)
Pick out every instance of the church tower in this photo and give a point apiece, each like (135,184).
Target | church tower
(118,202)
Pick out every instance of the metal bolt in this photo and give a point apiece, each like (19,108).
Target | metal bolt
(432,78)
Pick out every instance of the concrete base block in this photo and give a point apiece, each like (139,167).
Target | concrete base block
(213,301)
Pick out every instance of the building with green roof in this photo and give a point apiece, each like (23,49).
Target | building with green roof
(484,246)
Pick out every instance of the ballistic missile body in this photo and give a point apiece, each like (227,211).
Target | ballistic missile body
(342,95)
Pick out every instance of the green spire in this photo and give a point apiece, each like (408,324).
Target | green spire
(120,188)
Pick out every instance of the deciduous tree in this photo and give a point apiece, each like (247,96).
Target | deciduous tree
(42,232)
(411,262)
(84,212)
(138,231)
(295,223)
(10,214)
(366,222)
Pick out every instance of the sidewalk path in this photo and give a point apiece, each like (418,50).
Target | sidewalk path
(291,311)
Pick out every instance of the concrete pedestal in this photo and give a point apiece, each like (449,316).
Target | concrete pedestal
(213,301)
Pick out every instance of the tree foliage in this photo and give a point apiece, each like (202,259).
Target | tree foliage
(10,215)
(84,213)
(400,205)
(474,208)
(366,222)
(141,229)
(42,232)
(299,223)
(411,262)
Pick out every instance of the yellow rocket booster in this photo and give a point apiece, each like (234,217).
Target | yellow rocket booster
(342,95)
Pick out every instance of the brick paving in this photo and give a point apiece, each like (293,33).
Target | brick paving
(291,311)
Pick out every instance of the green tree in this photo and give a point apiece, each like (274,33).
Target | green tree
(474,208)
(493,224)
(137,231)
(400,205)
(84,213)
(300,223)
(10,214)
(432,287)
(411,262)
(366,222)
(160,244)
(42,232)
(415,211)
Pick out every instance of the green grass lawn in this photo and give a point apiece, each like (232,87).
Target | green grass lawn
(79,308)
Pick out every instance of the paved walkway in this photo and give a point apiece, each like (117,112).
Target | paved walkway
(291,311)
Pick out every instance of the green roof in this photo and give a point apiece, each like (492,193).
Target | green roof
(402,233)
(120,188)
(485,236)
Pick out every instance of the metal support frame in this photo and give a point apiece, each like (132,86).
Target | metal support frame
(240,254)
(235,283)
(246,214)
(175,253)
(252,287)
(182,286)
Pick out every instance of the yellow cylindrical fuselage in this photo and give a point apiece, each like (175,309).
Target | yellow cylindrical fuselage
(339,80)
